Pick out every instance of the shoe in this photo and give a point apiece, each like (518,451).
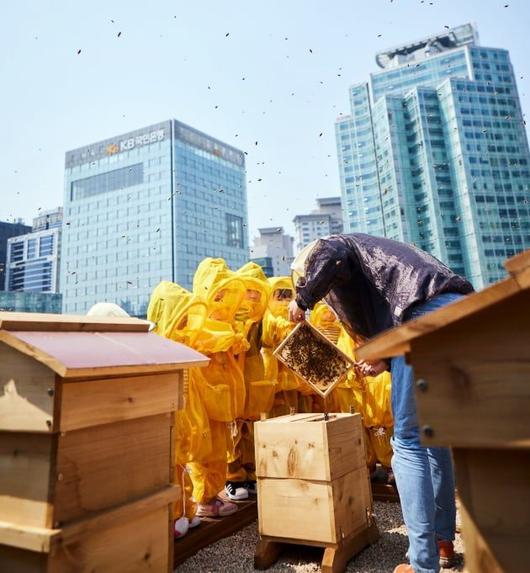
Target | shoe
(447,553)
(251,487)
(235,491)
(195,521)
(216,508)
(404,568)
(181,527)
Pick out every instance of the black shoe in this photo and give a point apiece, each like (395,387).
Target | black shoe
(250,486)
(236,491)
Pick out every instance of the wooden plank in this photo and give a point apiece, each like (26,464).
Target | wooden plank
(69,323)
(26,393)
(518,263)
(134,546)
(397,341)
(309,509)
(26,537)
(111,400)
(495,507)
(24,478)
(105,466)
(306,446)
(94,354)
(211,530)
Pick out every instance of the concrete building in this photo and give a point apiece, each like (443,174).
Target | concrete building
(8,230)
(148,206)
(435,153)
(323,221)
(273,243)
(33,259)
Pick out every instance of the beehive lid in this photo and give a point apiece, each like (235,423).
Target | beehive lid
(96,354)
(312,357)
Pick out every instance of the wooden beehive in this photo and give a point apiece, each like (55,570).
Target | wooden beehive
(313,483)
(86,419)
(471,362)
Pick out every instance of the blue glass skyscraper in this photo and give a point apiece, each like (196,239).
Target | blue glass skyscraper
(435,153)
(149,206)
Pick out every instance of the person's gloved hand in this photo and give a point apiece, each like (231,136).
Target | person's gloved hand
(370,368)
(296,314)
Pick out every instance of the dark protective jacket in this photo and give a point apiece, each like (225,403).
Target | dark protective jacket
(370,282)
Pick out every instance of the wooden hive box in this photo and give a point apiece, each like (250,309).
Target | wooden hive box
(313,483)
(86,421)
(471,363)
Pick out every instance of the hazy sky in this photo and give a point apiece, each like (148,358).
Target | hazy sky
(276,73)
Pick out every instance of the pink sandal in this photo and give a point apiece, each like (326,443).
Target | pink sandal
(216,508)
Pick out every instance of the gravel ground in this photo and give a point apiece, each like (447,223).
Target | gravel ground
(235,554)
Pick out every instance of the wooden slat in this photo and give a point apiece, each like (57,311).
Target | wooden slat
(93,354)
(396,341)
(24,478)
(111,464)
(26,393)
(25,537)
(105,401)
(518,263)
(69,323)
(494,489)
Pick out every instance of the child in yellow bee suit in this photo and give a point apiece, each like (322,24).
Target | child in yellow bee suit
(241,475)
(221,384)
(178,315)
(276,326)
(370,396)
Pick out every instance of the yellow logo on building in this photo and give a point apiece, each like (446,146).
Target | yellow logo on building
(112,148)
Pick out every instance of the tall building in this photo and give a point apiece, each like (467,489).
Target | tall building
(323,221)
(33,263)
(274,244)
(8,230)
(435,153)
(148,206)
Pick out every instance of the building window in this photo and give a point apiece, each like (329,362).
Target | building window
(234,231)
(109,181)
(46,246)
(32,248)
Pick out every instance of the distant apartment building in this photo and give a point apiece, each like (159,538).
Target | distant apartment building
(148,206)
(435,153)
(323,221)
(8,230)
(274,244)
(33,263)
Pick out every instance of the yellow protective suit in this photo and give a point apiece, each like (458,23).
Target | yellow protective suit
(180,316)
(259,390)
(370,396)
(276,326)
(221,384)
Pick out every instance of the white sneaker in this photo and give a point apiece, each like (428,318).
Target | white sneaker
(195,522)
(235,491)
(181,527)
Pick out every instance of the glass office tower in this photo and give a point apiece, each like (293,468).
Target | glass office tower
(149,206)
(435,153)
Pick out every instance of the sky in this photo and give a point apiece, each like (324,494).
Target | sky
(267,77)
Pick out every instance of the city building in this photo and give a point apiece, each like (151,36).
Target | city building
(33,263)
(8,230)
(435,153)
(323,221)
(273,243)
(148,206)
(21,301)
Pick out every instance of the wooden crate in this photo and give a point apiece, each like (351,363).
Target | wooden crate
(313,485)
(86,452)
(472,368)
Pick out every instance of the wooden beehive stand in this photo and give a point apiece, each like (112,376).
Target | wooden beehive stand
(471,362)
(313,488)
(86,468)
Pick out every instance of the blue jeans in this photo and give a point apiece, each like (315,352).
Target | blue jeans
(424,476)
